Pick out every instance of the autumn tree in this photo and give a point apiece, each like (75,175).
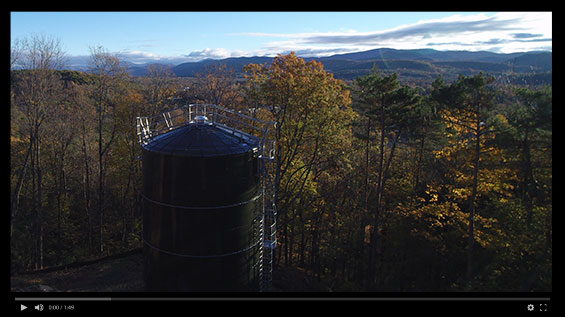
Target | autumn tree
(107,72)
(466,108)
(311,110)
(159,90)
(34,92)
(217,85)
(125,166)
(62,133)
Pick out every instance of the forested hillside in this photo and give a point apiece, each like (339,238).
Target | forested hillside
(417,67)
(381,185)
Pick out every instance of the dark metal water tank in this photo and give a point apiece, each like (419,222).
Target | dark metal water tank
(200,215)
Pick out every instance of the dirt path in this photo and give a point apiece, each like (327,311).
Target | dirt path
(123,274)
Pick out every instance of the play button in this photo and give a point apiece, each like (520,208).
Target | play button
(22,307)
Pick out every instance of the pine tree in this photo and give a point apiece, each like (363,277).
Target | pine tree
(391,109)
(466,108)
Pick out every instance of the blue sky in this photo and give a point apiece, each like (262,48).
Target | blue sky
(177,37)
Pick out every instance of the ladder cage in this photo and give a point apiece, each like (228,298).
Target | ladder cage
(245,127)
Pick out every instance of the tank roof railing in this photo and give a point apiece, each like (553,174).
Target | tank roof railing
(239,124)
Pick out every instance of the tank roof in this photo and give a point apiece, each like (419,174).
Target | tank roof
(202,139)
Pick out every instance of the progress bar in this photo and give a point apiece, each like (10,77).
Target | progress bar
(46,299)
(108,299)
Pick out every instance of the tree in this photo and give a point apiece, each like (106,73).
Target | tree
(34,92)
(391,108)
(311,110)
(15,53)
(107,74)
(217,85)
(160,89)
(465,106)
(531,123)
(62,131)
(526,134)
(125,167)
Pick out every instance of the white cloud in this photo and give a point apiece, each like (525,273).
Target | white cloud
(457,32)
(221,53)
(137,56)
(210,53)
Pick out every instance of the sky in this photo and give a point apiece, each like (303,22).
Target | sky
(177,37)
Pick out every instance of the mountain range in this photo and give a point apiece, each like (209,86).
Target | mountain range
(417,64)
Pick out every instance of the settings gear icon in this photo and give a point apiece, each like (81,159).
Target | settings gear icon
(530,307)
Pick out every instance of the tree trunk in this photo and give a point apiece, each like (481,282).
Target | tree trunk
(17,191)
(302,242)
(315,251)
(471,239)
(375,229)
(367,146)
(100,181)
(529,180)
(86,188)
(419,160)
(39,199)
(291,242)
(33,219)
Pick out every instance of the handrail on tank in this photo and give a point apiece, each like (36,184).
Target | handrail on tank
(149,127)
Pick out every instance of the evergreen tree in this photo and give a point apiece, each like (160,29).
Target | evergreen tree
(391,109)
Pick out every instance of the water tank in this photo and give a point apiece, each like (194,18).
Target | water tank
(200,217)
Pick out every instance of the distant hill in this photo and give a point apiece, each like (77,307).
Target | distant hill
(420,63)
(235,63)
(425,55)
(537,60)
(426,64)
(143,70)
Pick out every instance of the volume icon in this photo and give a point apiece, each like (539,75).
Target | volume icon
(39,307)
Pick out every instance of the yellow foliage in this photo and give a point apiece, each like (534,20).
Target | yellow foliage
(449,214)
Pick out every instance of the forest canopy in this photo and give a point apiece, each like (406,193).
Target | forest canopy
(380,185)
